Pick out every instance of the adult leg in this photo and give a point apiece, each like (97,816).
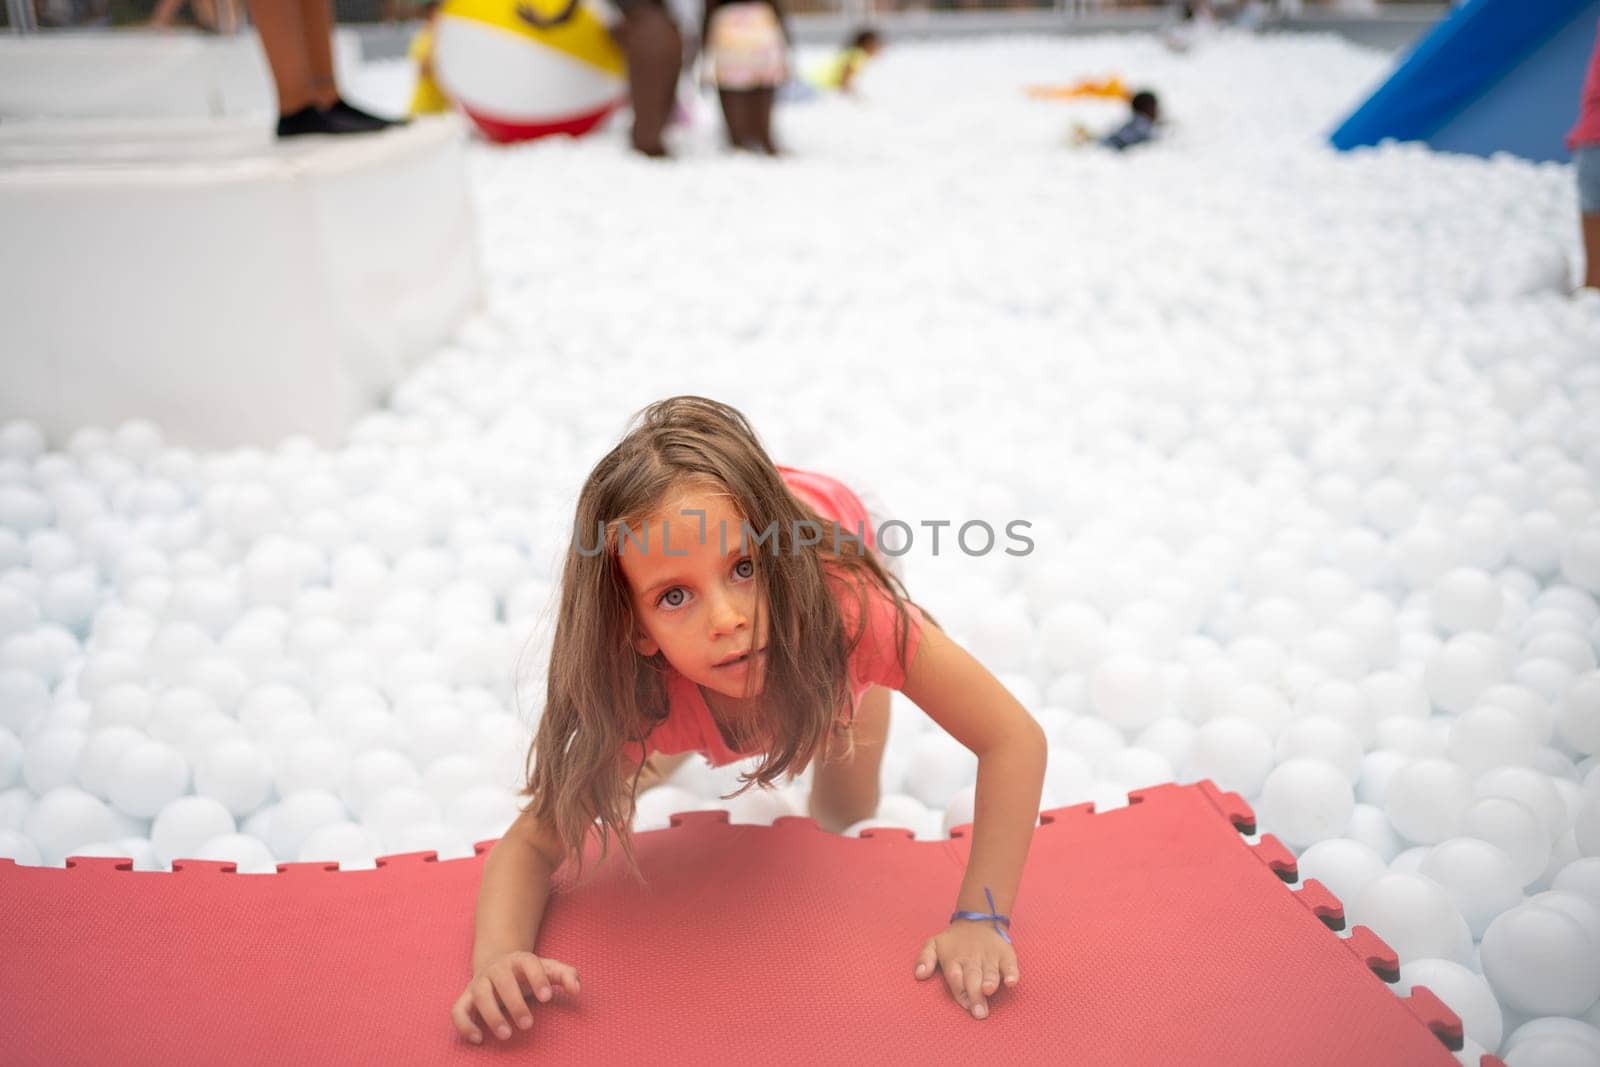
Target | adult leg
(654,55)
(749,120)
(729,99)
(165,11)
(761,101)
(283,38)
(845,792)
(1591,250)
(316,22)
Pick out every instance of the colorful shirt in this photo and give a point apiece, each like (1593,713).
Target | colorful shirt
(830,74)
(1586,130)
(690,726)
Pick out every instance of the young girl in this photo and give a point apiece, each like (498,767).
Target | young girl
(713,601)
(745,55)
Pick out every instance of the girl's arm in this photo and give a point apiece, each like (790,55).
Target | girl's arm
(960,694)
(513,890)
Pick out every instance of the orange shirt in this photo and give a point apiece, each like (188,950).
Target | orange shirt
(689,726)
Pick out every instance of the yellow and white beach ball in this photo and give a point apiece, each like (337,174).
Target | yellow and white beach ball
(528,68)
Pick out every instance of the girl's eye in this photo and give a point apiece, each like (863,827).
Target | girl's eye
(744,561)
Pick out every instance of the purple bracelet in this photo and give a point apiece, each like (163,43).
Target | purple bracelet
(998,919)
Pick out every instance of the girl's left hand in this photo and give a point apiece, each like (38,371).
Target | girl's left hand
(974,958)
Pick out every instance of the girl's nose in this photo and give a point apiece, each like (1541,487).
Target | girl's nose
(727,615)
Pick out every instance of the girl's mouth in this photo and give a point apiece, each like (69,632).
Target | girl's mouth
(741,661)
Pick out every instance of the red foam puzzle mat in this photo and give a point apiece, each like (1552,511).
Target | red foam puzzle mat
(1151,934)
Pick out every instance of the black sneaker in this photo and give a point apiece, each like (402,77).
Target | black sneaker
(307,120)
(355,116)
(311,119)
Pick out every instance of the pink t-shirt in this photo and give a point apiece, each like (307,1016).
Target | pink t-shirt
(689,726)
(1587,129)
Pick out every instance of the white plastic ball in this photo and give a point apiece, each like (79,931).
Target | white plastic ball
(388,813)
(486,810)
(1531,709)
(654,810)
(1127,691)
(250,855)
(10,759)
(1427,798)
(1374,772)
(761,807)
(959,812)
(148,777)
(1463,992)
(1580,558)
(67,817)
(1371,827)
(296,816)
(1067,778)
(1485,737)
(1517,829)
(236,773)
(1002,635)
(1553,1041)
(1136,768)
(312,762)
(1479,877)
(448,776)
(1344,703)
(1459,672)
(1390,693)
(1304,801)
(50,758)
(1410,860)
(183,825)
(1322,738)
(1581,876)
(1466,599)
(124,704)
(940,766)
(437,837)
(1344,865)
(1414,915)
(100,755)
(351,846)
(19,849)
(1531,787)
(1235,754)
(1578,715)
(1541,961)
(1536,543)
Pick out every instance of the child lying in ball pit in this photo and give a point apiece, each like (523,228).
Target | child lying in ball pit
(714,601)
(1143,124)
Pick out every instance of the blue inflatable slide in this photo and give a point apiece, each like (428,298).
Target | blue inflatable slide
(1492,76)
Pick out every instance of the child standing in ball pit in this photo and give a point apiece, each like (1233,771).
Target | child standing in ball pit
(746,58)
(714,601)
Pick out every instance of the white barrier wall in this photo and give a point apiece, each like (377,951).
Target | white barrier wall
(234,295)
(144,74)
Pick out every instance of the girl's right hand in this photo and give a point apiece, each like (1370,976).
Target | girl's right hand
(513,977)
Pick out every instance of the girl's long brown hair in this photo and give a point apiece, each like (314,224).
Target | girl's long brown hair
(602,694)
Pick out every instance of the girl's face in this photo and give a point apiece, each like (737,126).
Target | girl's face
(693,589)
